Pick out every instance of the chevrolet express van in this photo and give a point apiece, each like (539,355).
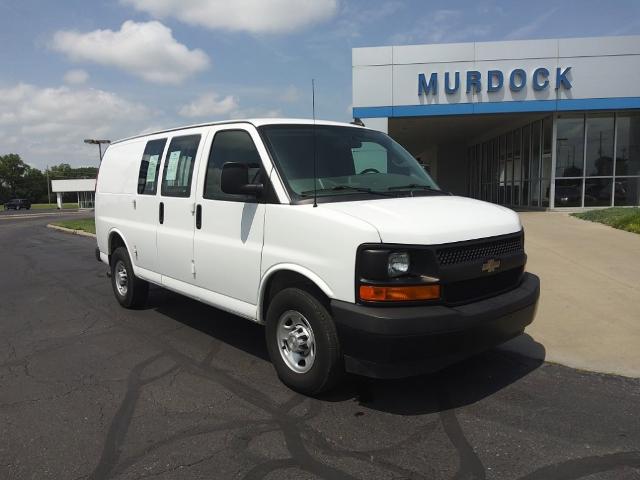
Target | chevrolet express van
(331,235)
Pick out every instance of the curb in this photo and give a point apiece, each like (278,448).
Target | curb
(82,233)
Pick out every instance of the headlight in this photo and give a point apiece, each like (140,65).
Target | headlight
(398,264)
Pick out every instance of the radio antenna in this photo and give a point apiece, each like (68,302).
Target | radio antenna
(315,161)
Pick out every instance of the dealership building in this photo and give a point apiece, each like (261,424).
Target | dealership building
(530,124)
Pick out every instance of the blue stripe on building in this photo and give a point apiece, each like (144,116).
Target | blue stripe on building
(435,109)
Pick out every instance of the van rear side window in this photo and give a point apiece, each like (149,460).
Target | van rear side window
(150,166)
(178,166)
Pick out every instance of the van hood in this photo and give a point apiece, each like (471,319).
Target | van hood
(431,220)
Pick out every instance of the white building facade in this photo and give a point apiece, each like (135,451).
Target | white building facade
(84,188)
(532,124)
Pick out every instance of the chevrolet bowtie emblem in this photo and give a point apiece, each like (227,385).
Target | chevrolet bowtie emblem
(491,265)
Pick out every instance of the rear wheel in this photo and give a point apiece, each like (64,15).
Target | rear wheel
(130,291)
(302,342)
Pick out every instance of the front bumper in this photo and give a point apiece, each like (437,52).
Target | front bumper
(394,342)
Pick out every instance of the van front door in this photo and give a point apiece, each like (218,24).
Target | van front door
(176,211)
(229,228)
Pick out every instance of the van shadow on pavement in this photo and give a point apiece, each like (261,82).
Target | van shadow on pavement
(459,385)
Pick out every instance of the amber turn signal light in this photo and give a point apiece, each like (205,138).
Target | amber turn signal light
(372,293)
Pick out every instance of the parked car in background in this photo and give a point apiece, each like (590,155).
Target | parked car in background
(18,204)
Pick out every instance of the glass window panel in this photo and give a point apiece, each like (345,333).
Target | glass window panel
(525,193)
(627,192)
(509,168)
(495,167)
(238,147)
(502,158)
(599,145)
(476,169)
(517,170)
(597,192)
(535,193)
(526,149)
(150,166)
(547,133)
(484,163)
(535,150)
(516,193)
(568,193)
(545,186)
(494,161)
(628,144)
(569,146)
(178,166)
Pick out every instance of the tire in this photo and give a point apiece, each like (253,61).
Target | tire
(130,291)
(305,318)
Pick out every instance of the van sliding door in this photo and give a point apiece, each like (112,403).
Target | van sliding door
(176,209)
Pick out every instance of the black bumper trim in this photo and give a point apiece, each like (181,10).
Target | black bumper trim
(402,341)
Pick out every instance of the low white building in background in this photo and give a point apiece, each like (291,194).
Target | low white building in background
(84,187)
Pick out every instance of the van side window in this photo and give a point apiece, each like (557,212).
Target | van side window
(150,166)
(178,166)
(231,146)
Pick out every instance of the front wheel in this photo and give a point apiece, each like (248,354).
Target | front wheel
(129,290)
(303,342)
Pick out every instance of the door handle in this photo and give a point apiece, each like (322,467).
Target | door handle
(161,213)
(199,217)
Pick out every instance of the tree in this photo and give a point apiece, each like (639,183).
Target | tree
(17,179)
(12,169)
(33,185)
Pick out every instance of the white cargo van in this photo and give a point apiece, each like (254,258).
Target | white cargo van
(370,268)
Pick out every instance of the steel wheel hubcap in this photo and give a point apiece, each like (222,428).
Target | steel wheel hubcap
(296,341)
(121,278)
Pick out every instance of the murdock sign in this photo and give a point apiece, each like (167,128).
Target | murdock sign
(494,81)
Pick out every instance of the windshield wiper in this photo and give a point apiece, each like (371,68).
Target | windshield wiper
(415,186)
(338,188)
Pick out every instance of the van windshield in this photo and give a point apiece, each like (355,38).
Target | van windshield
(349,161)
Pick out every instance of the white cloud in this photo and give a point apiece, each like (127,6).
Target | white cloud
(291,94)
(47,125)
(533,26)
(76,77)
(147,50)
(255,16)
(444,26)
(210,105)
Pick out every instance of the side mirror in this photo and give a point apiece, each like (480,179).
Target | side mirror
(235,180)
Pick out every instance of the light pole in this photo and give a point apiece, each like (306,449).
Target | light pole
(93,141)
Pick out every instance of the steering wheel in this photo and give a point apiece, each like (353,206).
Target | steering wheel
(369,170)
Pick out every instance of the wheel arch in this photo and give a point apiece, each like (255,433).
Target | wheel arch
(117,239)
(282,276)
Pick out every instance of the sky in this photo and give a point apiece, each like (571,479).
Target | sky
(75,69)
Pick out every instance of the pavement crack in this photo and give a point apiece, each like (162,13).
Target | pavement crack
(585,466)
(470,465)
(122,419)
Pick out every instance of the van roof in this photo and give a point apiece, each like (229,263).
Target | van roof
(256,122)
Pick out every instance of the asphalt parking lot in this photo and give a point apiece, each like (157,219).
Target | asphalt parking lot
(180,390)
